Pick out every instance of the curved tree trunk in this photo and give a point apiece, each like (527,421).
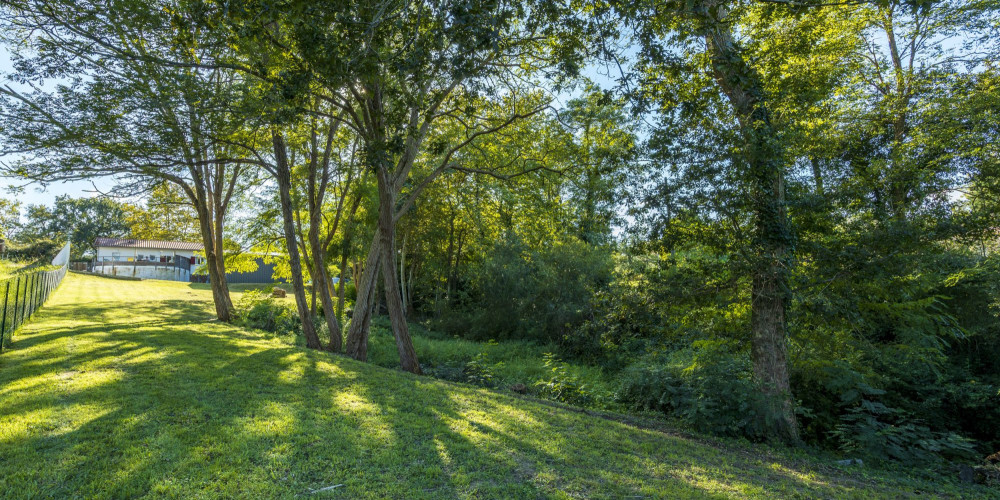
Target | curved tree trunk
(284,192)
(393,298)
(220,293)
(321,283)
(357,333)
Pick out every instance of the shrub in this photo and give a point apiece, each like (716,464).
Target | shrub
(708,387)
(540,294)
(257,309)
(35,250)
(563,385)
(880,432)
(481,372)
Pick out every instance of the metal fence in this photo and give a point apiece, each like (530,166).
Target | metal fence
(22,295)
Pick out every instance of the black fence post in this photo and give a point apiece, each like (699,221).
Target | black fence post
(34,300)
(24,302)
(41,290)
(17,287)
(3,322)
(30,298)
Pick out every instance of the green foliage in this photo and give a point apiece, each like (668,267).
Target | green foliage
(79,220)
(9,217)
(34,250)
(868,429)
(542,294)
(564,385)
(480,371)
(258,309)
(708,387)
(166,215)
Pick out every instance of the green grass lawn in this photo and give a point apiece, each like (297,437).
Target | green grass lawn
(128,388)
(8,268)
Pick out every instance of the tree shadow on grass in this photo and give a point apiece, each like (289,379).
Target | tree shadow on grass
(103,401)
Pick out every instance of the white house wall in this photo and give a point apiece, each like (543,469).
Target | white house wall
(115,261)
(145,272)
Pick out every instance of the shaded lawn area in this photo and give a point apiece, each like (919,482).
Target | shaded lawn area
(126,389)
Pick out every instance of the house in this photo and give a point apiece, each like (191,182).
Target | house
(151,259)
(165,260)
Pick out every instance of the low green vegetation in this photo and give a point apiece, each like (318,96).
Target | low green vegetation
(8,268)
(130,389)
(490,364)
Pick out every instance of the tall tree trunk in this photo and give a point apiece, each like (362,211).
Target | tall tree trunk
(393,299)
(357,333)
(220,294)
(220,258)
(402,275)
(321,283)
(283,174)
(340,286)
(772,245)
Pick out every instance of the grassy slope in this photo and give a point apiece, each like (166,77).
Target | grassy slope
(121,388)
(8,268)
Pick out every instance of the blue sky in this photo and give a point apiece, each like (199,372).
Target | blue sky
(33,194)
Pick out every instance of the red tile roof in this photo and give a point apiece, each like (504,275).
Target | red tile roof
(147,244)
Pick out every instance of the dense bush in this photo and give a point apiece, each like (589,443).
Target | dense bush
(258,309)
(563,385)
(35,250)
(895,361)
(709,387)
(542,294)
(875,430)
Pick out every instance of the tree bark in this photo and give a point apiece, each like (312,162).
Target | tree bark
(283,175)
(393,299)
(402,275)
(220,258)
(772,242)
(220,293)
(357,333)
(321,281)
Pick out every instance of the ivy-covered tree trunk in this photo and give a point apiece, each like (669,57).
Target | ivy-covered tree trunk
(771,248)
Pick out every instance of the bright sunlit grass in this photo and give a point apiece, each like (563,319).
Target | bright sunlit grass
(121,389)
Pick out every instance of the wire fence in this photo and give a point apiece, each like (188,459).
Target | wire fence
(25,292)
